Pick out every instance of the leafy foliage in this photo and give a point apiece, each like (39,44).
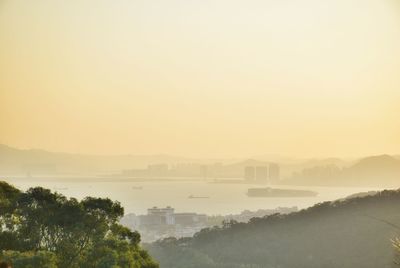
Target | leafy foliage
(30,259)
(39,228)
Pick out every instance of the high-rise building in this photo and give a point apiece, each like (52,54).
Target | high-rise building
(161,215)
(249,173)
(274,173)
(261,173)
(158,170)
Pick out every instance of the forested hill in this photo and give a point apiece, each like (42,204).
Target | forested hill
(351,233)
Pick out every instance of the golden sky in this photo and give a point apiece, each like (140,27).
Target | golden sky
(201,78)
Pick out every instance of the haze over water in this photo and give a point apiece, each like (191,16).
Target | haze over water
(223,198)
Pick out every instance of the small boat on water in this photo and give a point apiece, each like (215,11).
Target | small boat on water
(137,187)
(198,197)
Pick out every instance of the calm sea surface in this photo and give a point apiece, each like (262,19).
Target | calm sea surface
(224,198)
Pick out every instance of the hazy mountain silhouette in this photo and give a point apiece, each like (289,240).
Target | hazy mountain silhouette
(381,170)
(379,163)
(375,170)
(17,161)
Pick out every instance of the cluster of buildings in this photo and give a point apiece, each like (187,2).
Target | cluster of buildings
(159,223)
(177,170)
(269,173)
(253,171)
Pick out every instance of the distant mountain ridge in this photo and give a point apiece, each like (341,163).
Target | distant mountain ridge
(18,161)
(380,170)
(369,171)
(377,162)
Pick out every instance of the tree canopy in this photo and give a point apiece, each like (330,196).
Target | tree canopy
(41,228)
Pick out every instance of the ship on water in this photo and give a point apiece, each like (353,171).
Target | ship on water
(197,197)
(137,187)
(272,192)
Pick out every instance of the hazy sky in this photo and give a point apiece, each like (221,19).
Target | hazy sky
(201,78)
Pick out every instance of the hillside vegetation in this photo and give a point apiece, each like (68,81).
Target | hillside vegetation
(349,233)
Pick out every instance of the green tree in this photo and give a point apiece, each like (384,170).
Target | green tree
(43,259)
(79,234)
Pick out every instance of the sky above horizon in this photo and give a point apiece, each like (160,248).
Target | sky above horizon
(205,78)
